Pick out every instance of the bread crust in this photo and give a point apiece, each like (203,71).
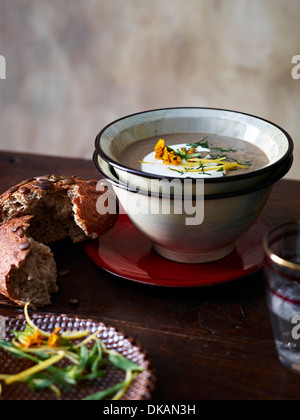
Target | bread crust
(12,254)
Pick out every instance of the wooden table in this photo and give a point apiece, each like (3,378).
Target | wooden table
(205,343)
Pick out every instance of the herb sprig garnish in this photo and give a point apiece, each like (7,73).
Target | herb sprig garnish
(87,360)
(219,149)
(194,160)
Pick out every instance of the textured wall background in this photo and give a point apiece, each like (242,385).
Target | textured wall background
(73,66)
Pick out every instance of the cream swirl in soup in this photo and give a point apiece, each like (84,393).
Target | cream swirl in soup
(186,168)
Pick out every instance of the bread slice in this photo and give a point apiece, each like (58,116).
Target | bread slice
(27,269)
(61,206)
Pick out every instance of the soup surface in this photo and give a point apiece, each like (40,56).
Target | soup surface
(193,155)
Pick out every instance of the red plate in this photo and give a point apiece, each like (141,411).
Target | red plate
(125,252)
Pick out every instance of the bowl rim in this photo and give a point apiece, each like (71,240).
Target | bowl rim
(213,180)
(267,183)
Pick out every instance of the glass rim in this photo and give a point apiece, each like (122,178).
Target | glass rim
(273,256)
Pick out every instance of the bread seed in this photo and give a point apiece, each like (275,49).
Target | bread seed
(20,232)
(24,245)
(46,185)
(23,190)
(42,179)
(68,180)
(54,178)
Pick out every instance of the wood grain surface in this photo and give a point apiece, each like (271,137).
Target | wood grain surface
(205,343)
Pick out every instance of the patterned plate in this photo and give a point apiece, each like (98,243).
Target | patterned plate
(141,388)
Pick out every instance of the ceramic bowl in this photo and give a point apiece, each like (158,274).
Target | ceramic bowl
(203,228)
(273,140)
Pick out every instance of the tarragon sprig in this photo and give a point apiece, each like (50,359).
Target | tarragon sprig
(84,361)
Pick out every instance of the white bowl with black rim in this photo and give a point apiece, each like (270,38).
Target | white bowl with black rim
(273,142)
(224,207)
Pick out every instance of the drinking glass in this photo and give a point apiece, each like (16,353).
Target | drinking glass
(282,272)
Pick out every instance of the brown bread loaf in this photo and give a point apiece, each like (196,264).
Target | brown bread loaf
(41,211)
